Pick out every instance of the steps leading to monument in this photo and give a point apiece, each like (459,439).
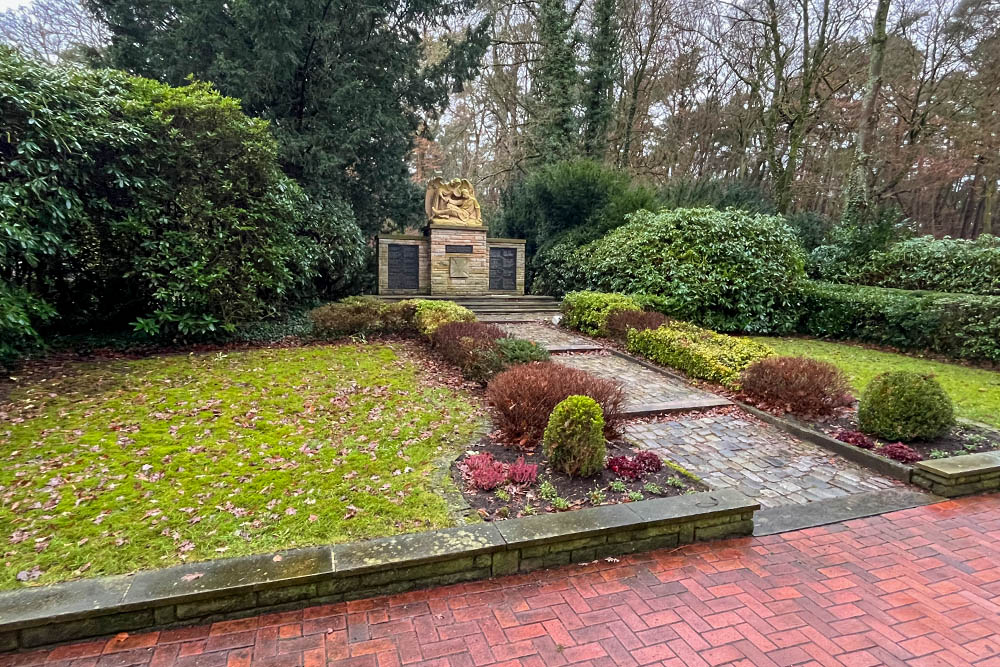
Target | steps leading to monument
(498,306)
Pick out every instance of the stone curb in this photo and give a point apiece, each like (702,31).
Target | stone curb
(673,407)
(879,464)
(568,349)
(207,591)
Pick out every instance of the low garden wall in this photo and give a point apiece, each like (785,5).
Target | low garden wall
(959,475)
(234,587)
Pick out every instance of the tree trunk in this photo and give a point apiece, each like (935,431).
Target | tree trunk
(859,205)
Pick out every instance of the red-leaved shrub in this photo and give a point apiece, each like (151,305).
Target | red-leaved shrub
(798,385)
(626,467)
(649,461)
(856,438)
(485,472)
(620,321)
(524,396)
(520,472)
(900,452)
(471,346)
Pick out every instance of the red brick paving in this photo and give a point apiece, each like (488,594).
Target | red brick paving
(917,587)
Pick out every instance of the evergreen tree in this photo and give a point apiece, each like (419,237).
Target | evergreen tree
(555,127)
(601,69)
(344,84)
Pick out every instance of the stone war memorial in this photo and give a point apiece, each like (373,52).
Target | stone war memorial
(453,257)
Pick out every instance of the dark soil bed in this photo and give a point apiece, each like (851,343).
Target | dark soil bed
(962,439)
(555,492)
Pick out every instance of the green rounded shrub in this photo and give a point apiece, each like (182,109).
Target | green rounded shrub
(574,439)
(726,270)
(589,311)
(905,406)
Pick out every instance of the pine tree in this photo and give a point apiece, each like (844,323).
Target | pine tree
(345,85)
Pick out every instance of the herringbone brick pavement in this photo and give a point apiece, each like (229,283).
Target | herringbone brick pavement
(916,587)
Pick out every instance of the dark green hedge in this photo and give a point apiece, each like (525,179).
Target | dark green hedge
(961,326)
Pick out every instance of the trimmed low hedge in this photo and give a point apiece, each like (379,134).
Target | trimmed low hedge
(588,311)
(432,314)
(367,315)
(700,353)
(961,326)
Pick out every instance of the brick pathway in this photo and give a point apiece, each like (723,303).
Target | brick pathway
(642,385)
(728,451)
(916,587)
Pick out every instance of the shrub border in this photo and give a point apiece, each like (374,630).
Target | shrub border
(207,591)
(863,457)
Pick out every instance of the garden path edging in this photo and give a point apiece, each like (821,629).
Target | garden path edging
(226,588)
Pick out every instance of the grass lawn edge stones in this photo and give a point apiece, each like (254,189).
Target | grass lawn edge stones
(234,587)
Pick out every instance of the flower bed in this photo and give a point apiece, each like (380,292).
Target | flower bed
(553,491)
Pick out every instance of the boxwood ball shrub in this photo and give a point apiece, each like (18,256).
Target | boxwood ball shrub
(905,406)
(798,385)
(589,311)
(524,396)
(727,270)
(700,353)
(574,437)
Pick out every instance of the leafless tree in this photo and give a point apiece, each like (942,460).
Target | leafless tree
(52,30)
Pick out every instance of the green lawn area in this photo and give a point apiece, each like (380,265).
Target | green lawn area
(976,392)
(128,465)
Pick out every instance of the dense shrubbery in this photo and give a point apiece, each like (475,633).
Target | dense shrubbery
(942,265)
(727,270)
(813,229)
(588,311)
(574,437)
(429,315)
(362,316)
(483,350)
(716,193)
(905,406)
(579,197)
(698,352)
(799,385)
(619,322)
(471,346)
(128,201)
(524,396)
(957,325)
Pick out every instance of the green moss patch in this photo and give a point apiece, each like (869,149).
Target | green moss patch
(128,465)
(975,392)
